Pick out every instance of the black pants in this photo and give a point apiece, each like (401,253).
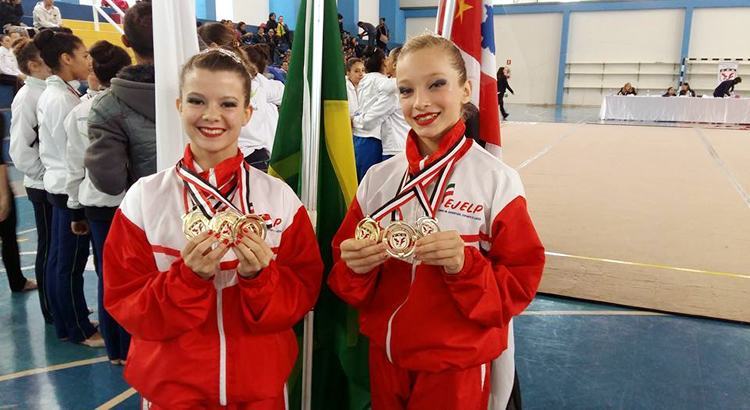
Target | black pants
(258,159)
(12,81)
(43,218)
(11,257)
(500,98)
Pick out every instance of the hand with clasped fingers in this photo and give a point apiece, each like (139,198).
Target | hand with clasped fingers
(202,256)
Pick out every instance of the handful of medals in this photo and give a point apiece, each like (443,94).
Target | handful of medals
(228,224)
(400,238)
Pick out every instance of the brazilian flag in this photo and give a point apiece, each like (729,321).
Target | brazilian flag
(340,373)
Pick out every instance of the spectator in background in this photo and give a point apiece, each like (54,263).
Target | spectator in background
(46,15)
(271,23)
(8,223)
(9,72)
(383,35)
(726,87)
(122,119)
(369,31)
(503,74)
(217,35)
(686,90)
(627,89)
(11,12)
(261,37)
(106,60)
(355,71)
(670,92)
(242,28)
(341,23)
(283,34)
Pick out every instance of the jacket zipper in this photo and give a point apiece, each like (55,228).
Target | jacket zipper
(222,350)
(389,332)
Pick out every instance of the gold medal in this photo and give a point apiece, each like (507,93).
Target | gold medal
(400,239)
(253,223)
(223,224)
(194,223)
(426,226)
(367,228)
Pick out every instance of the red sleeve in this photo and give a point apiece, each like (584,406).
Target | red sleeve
(493,289)
(287,289)
(353,288)
(149,304)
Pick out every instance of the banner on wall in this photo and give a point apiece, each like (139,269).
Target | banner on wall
(727,71)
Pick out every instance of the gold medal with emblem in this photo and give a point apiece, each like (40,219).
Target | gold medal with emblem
(253,223)
(400,239)
(367,228)
(194,223)
(426,226)
(223,224)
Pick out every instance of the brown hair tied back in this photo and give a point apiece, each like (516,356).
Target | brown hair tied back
(221,59)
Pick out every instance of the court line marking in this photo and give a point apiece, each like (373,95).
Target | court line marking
(56,367)
(117,399)
(591,313)
(648,265)
(723,166)
(549,146)
(27,253)
(26,231)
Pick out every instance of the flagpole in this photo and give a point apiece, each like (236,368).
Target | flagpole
(310,162)
(447,23)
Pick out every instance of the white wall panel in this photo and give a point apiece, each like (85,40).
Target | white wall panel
(369,11)
(720,33)
(531,42)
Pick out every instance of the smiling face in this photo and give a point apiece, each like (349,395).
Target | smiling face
(213,110)
(431,92)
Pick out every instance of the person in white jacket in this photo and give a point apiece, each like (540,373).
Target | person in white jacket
(9,72)
(257,136)
(106,59)
(374,106)
(66,55)
(395,128)
(24,151)
(355,71)
(46,15)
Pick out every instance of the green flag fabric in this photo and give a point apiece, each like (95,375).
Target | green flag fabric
(340,372)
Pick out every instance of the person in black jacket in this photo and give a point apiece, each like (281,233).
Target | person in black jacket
(383,35)
(271,23)
(686,90)
(726,87)
(503,74)
(11,12)
(369,31)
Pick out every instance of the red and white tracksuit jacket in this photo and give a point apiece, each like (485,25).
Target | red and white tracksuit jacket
(427,320)
(202,343)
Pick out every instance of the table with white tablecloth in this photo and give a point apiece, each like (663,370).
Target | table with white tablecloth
(676,109)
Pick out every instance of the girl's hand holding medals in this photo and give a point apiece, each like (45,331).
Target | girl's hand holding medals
(252,252)
(363,255)
(444,249)
(201,256)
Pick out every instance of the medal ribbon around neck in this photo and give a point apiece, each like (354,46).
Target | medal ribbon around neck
(440,170)
(202,192)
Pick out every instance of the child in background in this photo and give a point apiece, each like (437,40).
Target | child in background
(67,57)
(459,255)
(106,60)
(24,150)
